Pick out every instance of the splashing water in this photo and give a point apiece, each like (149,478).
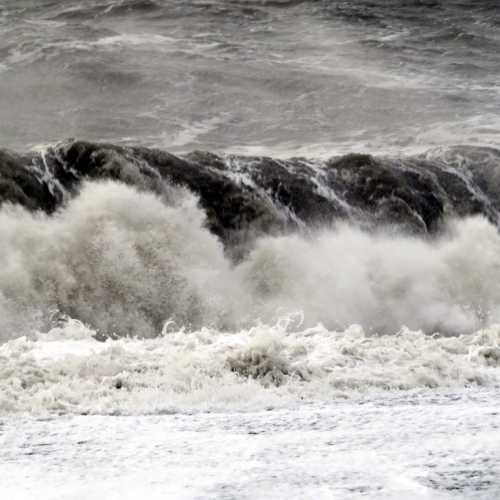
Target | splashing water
(68,371)
(125,262)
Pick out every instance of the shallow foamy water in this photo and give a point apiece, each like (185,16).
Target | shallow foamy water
(269,412)
(421,444)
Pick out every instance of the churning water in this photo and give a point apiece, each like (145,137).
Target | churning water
(275,317)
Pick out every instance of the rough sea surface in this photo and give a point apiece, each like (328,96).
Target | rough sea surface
(281,77)
(249,249)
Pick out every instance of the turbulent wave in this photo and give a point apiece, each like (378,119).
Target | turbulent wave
(187,261)
(125,263)
(244,196)
(225,242)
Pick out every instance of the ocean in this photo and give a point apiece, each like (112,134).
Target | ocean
(249,249)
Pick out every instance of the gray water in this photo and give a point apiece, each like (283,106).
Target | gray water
(334,363)
(280,77)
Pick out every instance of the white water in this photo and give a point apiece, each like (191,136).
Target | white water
(126,262)
(405,416)
(277,328)
(68,371)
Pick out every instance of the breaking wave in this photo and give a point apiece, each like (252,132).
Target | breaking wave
(125,262)
(133,281)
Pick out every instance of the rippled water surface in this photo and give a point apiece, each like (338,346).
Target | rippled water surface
(281,77)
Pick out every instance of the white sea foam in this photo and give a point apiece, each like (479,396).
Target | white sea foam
(68,371)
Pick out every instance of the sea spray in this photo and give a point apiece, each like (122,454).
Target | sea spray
(124,262)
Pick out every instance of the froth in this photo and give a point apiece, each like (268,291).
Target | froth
(68,371)
(125,262)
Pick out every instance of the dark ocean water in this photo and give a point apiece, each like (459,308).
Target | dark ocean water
(253,76)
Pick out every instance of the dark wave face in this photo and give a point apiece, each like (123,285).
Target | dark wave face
(281,78)
(246,196)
